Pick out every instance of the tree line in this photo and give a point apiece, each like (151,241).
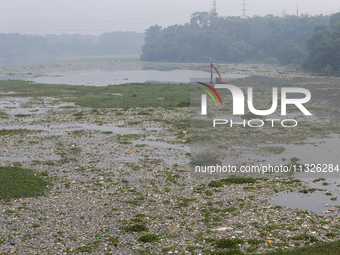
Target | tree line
(310,41)
(323,48)
(268,39)
(20,46)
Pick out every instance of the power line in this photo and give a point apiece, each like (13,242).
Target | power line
(214,7)
(244,9)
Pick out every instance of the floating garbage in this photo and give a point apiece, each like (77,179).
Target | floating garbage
(145,190)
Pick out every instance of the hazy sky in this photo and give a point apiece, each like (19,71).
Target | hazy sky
(99,16)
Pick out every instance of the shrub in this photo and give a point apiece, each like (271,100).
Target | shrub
(149,238)
(229,243)
(135,228)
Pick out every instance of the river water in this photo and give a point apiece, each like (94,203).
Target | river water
(104,78)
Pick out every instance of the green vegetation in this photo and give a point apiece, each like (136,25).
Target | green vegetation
(135,228)
(275,149)
(3,115)
(319,179)
(22,115)
(255,241)
(112,241)
(13,131)
(17,46)
(306,191)
(331,235)
(185,202)
(332,248)
(232,39)
(323,48)
(230,209)
(149,238)
(18,182)
(134,95)
(304,237)
(229,243)
(236,180)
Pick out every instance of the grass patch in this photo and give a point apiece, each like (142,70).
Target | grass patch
(275,149)
(149,238)
(185,202)
(22,115)
(331,248)
(255,241)
(229,243)
(3,115)
(236,180)
(230,209)
(135,228)
(140,145)
(134,95)
(112,241)
(18,182)
(14,131)
(306,191)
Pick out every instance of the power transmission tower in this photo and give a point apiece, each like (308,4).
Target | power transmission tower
(244,9)
(214,6)
(297,10)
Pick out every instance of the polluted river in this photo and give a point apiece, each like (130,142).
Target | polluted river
(119,175)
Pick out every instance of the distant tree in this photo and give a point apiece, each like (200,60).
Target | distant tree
(231,39)
(200,19)
(334,20)
(16,47)
(323,48)
(289,53)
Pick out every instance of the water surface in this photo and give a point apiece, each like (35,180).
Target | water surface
(104,78)
(317,202)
